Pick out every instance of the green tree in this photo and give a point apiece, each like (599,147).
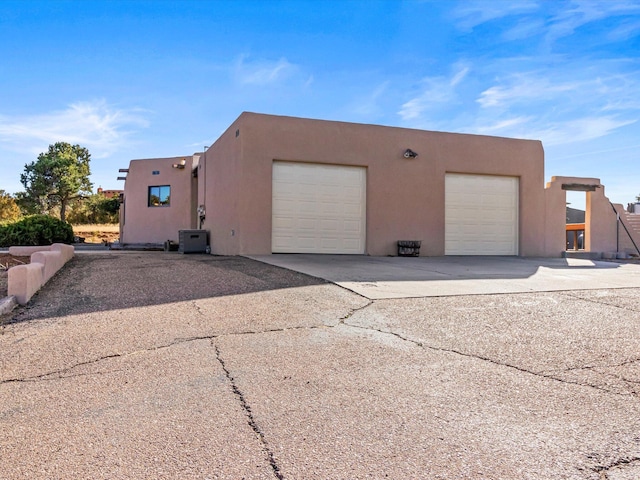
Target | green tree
(9,210)
(58,177)
(95,209)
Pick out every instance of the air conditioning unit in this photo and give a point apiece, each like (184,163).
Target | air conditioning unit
(192,241)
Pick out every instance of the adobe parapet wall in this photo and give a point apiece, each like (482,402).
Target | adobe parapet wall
(25,280)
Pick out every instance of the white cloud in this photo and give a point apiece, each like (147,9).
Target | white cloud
(525,28)
(582,12)
(95,125)
(263,72)
(523,88)
(555,108)
(553,133)
(625,30)
(586,128)
(502,127)
(435,91)
(474,13)
(368,105)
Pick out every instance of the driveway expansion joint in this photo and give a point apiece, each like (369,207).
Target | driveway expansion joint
(250,418)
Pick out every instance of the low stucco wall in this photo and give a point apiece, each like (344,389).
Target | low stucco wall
(27,251)
(25,280)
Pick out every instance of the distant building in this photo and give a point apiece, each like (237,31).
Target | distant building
(109,193)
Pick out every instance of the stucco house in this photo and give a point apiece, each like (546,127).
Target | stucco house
(275,184)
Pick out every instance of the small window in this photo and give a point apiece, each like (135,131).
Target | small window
(160,196)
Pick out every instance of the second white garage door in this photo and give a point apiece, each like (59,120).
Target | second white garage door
(318,208)
(481,215)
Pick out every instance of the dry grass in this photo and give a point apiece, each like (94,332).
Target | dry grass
(7,261)
(97,233)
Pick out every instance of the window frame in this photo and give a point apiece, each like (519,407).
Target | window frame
(159,195)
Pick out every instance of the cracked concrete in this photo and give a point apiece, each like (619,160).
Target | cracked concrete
(244,370)
(251,420)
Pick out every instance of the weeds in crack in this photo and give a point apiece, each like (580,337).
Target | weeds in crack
(353,311)
(250,419)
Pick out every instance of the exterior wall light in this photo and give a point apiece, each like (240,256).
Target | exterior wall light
(408,153)
(180,165)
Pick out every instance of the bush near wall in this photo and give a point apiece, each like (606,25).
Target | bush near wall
(36,230)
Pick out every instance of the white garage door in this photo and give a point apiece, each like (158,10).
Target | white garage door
(481,215)
(318,208)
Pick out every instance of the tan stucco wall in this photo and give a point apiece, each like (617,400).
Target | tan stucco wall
(143,224)
(600,218)
(600,223)
(555,218)
(219,189)
(405,197)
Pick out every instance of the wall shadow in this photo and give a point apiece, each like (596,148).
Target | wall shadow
(118,280)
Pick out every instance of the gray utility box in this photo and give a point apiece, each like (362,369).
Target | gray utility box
(192,241)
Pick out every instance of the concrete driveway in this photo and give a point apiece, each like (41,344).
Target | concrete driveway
(160,365)
(402,277)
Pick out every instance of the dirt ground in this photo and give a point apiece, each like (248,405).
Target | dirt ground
(6,262)
(97,233)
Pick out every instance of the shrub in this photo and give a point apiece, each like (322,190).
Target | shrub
(36,230)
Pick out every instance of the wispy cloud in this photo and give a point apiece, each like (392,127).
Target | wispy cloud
(435,91)
(262,72)
(625,30)
(96,125)
(556,108)
(558,19)
(554,133)
(368,105)
(473,13)
(523,88)
(582,12)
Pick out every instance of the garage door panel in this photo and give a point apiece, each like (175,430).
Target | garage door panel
(324,206)
(352,227)
(481,215)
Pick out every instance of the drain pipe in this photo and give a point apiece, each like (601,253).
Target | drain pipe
(617,232)
(625,229)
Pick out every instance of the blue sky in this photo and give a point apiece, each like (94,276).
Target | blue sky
(141,79)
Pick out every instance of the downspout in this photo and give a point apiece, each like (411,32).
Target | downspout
(625,229)
(201,211)
(617,232)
